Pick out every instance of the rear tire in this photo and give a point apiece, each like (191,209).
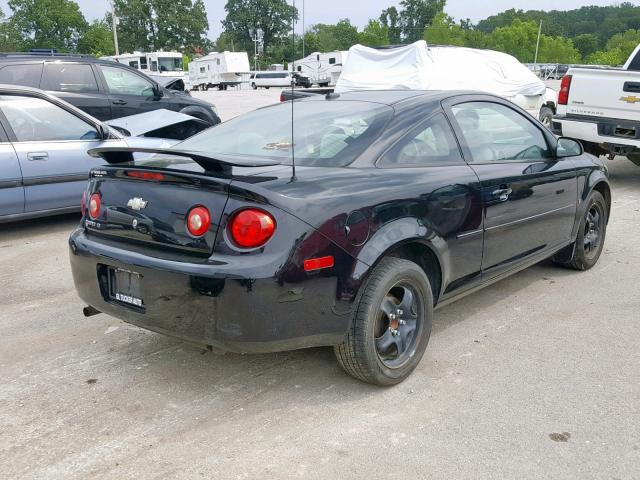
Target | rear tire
(391,326)
(592,231)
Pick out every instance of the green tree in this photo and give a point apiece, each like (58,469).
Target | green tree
(11,39)
(617,50)
(274,17)
(444,31)
(557,50)
(586,44)
(374,34)
(340,36)
(416,15)
(97,39)
(162,24)
(48,23)
(390,19)
(518,39)
(609,57)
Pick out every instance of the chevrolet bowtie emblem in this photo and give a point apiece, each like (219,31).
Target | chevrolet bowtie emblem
(136,203)
(630,99)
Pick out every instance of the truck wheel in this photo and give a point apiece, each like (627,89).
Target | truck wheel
(591,234)
(391,326)
(635,158)
(254,86)
(546,116)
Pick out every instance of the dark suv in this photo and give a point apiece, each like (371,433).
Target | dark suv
(102,88)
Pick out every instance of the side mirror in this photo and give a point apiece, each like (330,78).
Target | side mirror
(568,147)
(157,91)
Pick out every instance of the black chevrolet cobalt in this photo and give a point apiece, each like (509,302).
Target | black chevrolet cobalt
(399,202)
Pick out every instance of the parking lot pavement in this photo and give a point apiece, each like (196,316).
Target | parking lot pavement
(231,103)
(536,377)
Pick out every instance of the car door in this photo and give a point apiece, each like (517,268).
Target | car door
(445,192)
(77,84)
(529,197)
(51,144)
(11,189)
(130,93)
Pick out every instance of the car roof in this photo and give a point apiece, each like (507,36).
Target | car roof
(23,57)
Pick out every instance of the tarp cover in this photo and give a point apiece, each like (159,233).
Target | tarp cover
(418,67)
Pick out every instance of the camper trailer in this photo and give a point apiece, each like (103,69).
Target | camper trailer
(322,69)
(163,67)
(219,70)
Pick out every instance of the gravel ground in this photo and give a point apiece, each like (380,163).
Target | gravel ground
(537,376)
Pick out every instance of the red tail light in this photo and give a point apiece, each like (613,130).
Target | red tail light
(145,175)
(198,221)
(83,203)
(252,228)
(563,94)
(282,97)
(94,205)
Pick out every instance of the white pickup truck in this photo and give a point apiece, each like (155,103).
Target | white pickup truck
(601,108)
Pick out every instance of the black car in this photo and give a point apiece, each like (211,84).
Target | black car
(400,202)
(104,89)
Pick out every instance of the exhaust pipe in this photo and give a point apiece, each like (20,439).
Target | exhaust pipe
(89,311)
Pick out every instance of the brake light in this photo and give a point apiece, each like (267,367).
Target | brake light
(563,94)
(94,205)
(83,203)
(145,175)
(282,97)
(252,228)
(318,263)
(198,221)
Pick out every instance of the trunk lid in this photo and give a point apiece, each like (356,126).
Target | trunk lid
(152,212)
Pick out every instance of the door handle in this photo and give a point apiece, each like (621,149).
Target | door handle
(37,156)
(502,194)
(119,102)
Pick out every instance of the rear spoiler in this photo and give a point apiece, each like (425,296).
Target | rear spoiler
(116,155)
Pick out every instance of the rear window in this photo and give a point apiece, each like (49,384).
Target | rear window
(24,75)
(326,133)
(69,77)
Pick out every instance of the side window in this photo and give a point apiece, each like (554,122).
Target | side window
(143,63)
(123,82)
(154,66)
(432,143)
(37,120)
(24,75)
(69,77)
(332,61)
(496,133)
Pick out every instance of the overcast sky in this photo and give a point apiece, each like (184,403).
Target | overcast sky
(360,11)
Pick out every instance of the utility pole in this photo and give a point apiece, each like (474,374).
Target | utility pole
(114,21)
(302,30)
(535,60)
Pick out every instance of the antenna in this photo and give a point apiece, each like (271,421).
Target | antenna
(293,82)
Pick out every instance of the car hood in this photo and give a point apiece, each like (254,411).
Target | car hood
(138,125)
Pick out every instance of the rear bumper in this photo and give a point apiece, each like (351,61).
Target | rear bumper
(596,130)
(240,307)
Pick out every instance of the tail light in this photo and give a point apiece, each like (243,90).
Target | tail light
(198,221)
(94,205)
(252,228)
(282,97)
(563,94)
(145,175)
(83,203)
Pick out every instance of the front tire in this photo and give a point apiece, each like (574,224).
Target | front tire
(254,86)
(546,117)
(591,235)
(391,326)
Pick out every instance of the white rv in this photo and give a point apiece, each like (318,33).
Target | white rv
(322,69)
(220,70)
(163,67)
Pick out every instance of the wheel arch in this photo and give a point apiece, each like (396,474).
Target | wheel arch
(605,190)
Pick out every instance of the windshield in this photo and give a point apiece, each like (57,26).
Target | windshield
(170,64)
(326,133)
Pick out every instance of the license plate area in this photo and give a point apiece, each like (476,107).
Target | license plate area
(124,287)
